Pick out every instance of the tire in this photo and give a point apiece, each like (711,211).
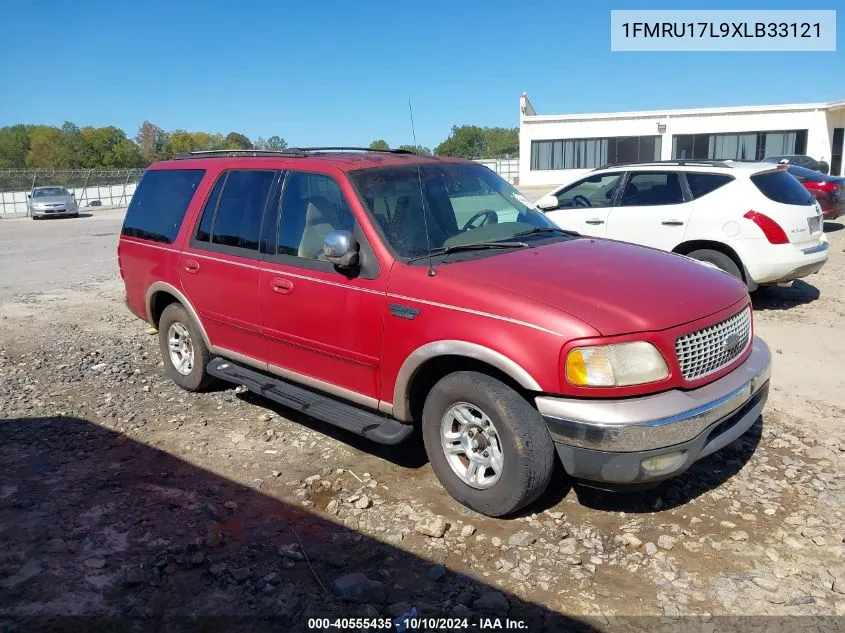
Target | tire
(525,446)
(176,320)
(720,260)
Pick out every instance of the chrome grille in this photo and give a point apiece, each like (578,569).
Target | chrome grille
(707,350)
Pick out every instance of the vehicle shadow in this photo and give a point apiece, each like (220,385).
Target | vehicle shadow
(99,532)
(833,227)
(705,475)
(408,454)
(774,298)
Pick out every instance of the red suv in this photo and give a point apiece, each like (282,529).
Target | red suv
(382,290)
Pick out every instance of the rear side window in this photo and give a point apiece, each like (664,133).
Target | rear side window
(160,202)
(702,184)
(781,186)
(234,209)
(652,189)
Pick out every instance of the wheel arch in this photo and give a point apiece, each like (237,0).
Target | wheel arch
(685,248)
(429,363)
(161,294)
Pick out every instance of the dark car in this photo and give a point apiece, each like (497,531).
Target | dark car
(807,162)
(828,190)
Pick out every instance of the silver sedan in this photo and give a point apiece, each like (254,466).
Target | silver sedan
(50,201)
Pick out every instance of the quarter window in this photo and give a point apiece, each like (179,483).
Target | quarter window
(701,184)
(652,189)
(312,206)
(160,202)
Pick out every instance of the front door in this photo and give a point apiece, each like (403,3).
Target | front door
(584,206)
(323,327)
(653,210)
(221,265)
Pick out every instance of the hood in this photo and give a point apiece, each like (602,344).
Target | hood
(615,287)
(51,200)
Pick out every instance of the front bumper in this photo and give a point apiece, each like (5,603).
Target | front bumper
(44,213)
(606,441)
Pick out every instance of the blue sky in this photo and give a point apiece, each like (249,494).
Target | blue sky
(329,72)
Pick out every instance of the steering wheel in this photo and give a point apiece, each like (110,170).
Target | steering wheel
(581,201)
(490,217)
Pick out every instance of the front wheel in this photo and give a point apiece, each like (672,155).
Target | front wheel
(487,445)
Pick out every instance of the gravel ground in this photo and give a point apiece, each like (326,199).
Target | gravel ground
(124,499)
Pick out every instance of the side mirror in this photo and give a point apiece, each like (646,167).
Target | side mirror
(341,249)
(72,195)
(547,203)
(29,195)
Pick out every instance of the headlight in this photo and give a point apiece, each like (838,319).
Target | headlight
(615,365)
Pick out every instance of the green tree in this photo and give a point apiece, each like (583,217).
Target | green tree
(236,140)
(151,140)
(417,149)
(471,141)
(501,142)
(99,144)
(75,147)
(14,145)
(466,141)
(48,148)
(276,144)
(379,144)
(124,154)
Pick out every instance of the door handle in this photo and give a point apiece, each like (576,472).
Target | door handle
(594,221)
(672,223)
(282,286)
(192,266)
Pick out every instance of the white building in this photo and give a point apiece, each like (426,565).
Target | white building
(556,149)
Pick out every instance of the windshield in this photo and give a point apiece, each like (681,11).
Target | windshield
(49,192)
(464,204)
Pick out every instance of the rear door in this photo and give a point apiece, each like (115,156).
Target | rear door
(787,202)
(323,326)
(584,206)
(653,210)
(220,267)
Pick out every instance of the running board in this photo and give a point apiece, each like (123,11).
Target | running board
(374,426)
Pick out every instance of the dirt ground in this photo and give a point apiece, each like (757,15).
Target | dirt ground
(128,504)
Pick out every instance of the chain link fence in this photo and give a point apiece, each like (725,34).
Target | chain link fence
(93,188)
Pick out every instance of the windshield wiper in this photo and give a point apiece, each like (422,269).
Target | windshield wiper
(474,246)
(546,229)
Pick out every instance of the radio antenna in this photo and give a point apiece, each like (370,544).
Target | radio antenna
(431,270)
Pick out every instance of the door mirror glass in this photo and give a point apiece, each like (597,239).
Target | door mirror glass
(547,202)
(341,249)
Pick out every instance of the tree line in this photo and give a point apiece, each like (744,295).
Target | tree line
(72,147)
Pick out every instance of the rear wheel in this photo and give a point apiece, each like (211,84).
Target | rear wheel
(720,260)
(183,349)
(489,448)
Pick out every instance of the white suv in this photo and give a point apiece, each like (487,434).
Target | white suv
(753,220)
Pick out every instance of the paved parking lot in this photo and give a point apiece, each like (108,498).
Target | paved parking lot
(121,494)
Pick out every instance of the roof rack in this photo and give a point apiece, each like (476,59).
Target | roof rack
(290,151)
(680,162)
